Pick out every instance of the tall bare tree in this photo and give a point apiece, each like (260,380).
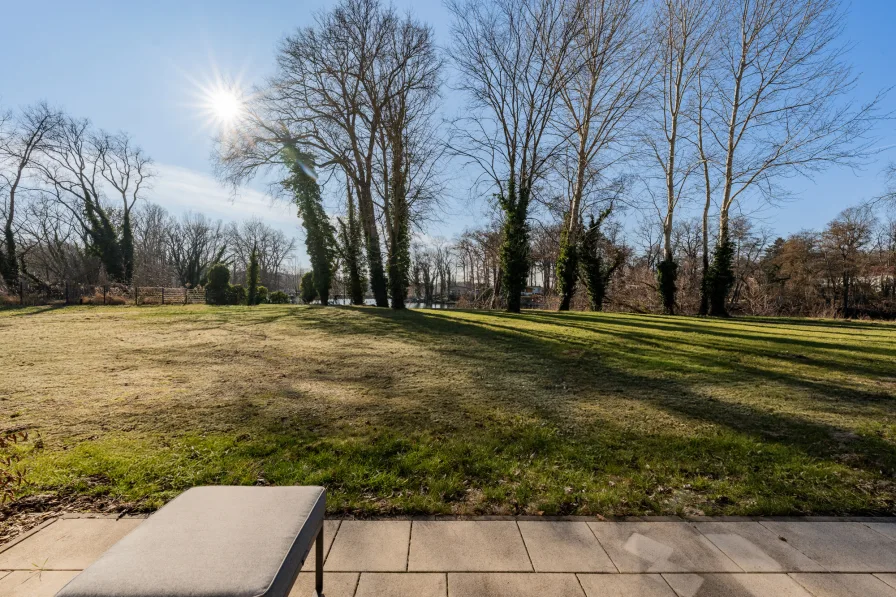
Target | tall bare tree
(334,82)
(608,64)
(782,106)
(127,170)
(406,142)
(77,166)
(682,30)
(23,136)
(510,56)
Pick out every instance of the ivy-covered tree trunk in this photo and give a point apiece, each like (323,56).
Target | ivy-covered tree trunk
(399,239)
(372,245)
(103,236)
(9,265)
(353,265)
(515,245)
(567,264)
(667,275)
(252,278)
(596,264)
(319,234)
(704,278)
(721,273)
(127,248)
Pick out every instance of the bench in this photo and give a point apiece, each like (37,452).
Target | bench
(214,542)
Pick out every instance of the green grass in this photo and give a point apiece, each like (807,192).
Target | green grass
(459,412)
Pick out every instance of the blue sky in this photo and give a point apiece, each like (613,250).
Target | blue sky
(137,66)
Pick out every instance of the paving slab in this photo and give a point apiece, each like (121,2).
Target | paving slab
(660,547)
(336,584)
(34,584)
(735,585)
(370,546)
(467,546)
(330,529)
(884,528)
(890,579)
(844,585)
(402,584)
(513,585)
(625,585)
(564,547)
(68,544)
(755,548)
(839,546)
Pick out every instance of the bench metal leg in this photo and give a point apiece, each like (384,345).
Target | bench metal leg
(319,561)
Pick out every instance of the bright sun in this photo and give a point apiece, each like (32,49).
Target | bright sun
(226,105)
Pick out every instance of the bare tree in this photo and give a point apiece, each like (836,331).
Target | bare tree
(842,244)
(128,170)
(510,56)
(682,31)
(273,248)
(781,106)
(406,140)
(194,244)
(23,137)
(75,167)
(328,97)
(52,244)
(608,62)
(151,222)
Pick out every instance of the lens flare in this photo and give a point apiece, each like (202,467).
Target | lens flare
(225,105)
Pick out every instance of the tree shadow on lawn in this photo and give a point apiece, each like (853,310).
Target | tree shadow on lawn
(737,370)
(814,438)
(702,327)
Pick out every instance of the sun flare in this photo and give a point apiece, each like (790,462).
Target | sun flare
(225,105)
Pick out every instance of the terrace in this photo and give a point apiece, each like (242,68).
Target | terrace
(503,556)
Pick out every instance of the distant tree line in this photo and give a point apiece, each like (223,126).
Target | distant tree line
(846,269)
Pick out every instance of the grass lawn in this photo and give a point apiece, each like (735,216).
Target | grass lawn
(458,412)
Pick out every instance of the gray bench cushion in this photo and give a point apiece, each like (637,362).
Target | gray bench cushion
(211,542)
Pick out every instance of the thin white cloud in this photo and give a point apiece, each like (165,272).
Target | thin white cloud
(180,190)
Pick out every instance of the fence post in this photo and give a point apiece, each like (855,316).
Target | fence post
(135,296)
(66,292)
(163,296)
(21,292)
(104,293)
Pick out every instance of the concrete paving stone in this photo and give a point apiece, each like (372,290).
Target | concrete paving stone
(839,546)
(330,529)
(660,547)
(34,584)
(844,585)
(564,547)
(71,544)
(513,585)
(370,546)
(884,528)
(336,584)
(467,546)
(735,585)
(625,585)
(402,584)
(756,549)
(890,579)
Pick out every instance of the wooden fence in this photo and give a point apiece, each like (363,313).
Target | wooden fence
(152,295)
(68,293)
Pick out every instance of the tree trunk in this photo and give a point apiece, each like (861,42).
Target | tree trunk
(372,241)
